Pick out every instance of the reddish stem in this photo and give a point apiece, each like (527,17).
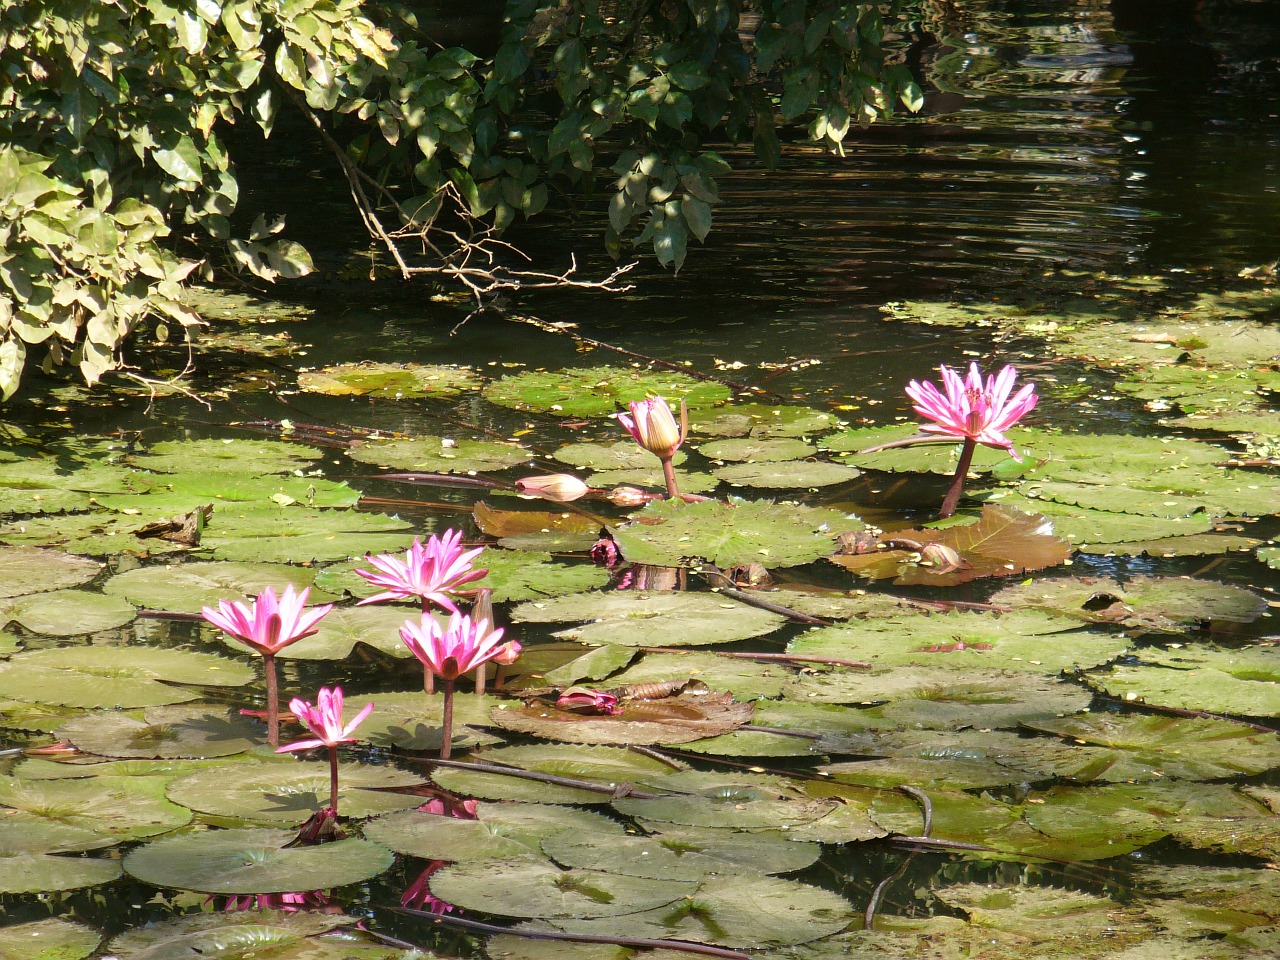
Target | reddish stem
(333,781)
(957,482)
(669,474)
(446,734)
(273,700)
(428,678)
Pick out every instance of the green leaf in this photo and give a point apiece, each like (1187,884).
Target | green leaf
(181,161)
(596,391)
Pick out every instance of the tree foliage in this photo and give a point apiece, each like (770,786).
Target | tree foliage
(116,181)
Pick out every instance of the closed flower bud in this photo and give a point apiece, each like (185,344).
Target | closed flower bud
(630,496)
(560,487)
(653,426)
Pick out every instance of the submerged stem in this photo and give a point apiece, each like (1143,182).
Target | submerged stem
(957,482)
(446,734)
(273,700)
(428,678)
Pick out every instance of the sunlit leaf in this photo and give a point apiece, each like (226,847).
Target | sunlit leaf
(597,391)
(389,380)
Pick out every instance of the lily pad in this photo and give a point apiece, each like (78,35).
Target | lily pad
(1030,641)
(745,679)
(189,587)
(761,420)
(620,455)
(1036,913)
(670,533)
(440,455)
(289,793)
(1097,530)
(254,861)
(121,676)
(727,802)
(92,534)
(792,474)
(124,808)
(252,457)
(1195,545)
(537,530)
(286,534)
(246,935)
(52,939)
(528,887)
(376,626)
(610,765)
(942,458)
(29,833)
(680,719)
(390,380)
(181,493)
(167,732)
(529,575)
(25,570)
(1146,603)
(413,720)
(757,451)
(43,873)
(644,618)
(66,613)
(1240,682)
(595,665)
(596,391)
(650,478)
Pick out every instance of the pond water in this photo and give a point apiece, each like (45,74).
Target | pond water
(1080,198)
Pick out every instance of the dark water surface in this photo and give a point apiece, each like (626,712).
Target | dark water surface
(1059,138)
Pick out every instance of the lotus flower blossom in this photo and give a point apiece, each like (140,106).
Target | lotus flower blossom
(450,652)
(431,572)
(268,625)
(459,648)
(972,409)
(589,701)
(560,487)
(652,426)
(324,720)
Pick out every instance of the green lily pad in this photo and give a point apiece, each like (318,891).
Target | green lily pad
(247,935)
(1195,389)
(1036,913)
(942,458)
(635,618)
(390,380)
(597,391)
(1181,748)
(726,802)
(22,833)
(289,793)
(52,939)
(757,451)
(1021,640)
(375,625)
(189,587)
(124,808)
(25,570)
(92,534)
(1097,530)
(251,457)
(34,717)
(742,911)
(528,887)
(529,575)
(761,420)
(440,455)
(286,534)
(650,478)
(66,613)
(1240,682)
(168,495)
(1147,603)
(254,861)
(958,816)
(1195,545)
(1209,340)
(169,732)
(413,720)
(671,533)
(1270,556)
(493,786)
(594,665)
(619,455)
(536,530)
(44,873)
(791,474)
(610,765)
(689,716)
(745,679)
(121,676)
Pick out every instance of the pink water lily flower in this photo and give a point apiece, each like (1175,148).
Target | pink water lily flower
(268,624)
(324,720)
(972,409)
(459,648)
(653,426)
(429,572)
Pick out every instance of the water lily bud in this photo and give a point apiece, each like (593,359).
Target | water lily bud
(653,426)
(589,701)
(561,487)
(630,496)
(940,556)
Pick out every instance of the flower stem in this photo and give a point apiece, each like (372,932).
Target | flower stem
(446,734)
(428,678)
(273,700)
(952,498)
(669,474)
(333,781)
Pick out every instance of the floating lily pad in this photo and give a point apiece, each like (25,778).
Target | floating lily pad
(1097,530)
(412,721)
(727,802)
(620,455)
(607,764)
(181,493)
(745,679)
(743,911)
(537,530)
(792,474)
(375,625)
(761,420)
(595,665)
(1209,340)
(597,391)
(66,613)
(119,676)
(493,786)
(250,457)
(1036,913)
(246,935)
(1184,748)
(644,618)
(529,575)
(757,451)
(1240,682)
(963,817)
(1270,556)
(43,873)
(290,793)
(932,457)
(528,887)
(440,455)
(277,535)
(24,833)
(670,533)
(124,808)
(690,716)
(168,732)
(650,478)
(25,570)
(52,939)
(254,861)
(390,380)
(1023,640)
(92,534)
(1195,545)
(1195,389)
(188,587)
(1147,603)
(34,717)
